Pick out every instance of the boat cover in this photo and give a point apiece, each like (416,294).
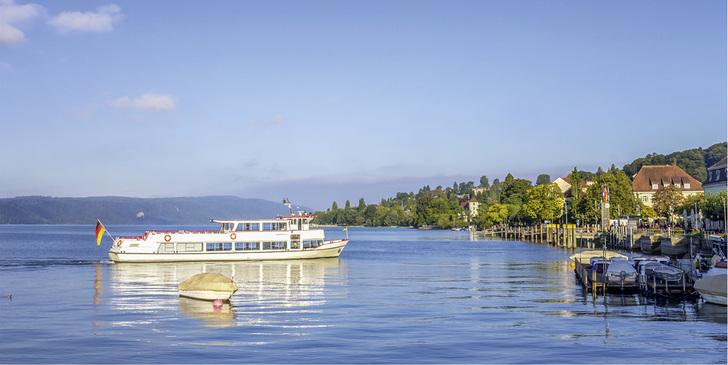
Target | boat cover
(712,284)
(209,281)
(585,256)
(619,266)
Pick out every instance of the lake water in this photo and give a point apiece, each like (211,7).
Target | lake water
(393,296)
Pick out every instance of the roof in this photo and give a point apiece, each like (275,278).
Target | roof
(566,188)
(719,164)
(717,174)
(465,203)
(664,175)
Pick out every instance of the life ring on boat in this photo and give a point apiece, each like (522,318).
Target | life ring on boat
(233,236)
(118,243)
(167,238)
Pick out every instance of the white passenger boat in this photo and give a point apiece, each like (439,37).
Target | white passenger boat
(237,240)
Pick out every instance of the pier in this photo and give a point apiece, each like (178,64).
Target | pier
(650,242)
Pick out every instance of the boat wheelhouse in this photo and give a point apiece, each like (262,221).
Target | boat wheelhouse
(237,240)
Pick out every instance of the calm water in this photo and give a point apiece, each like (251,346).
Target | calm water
(393,296)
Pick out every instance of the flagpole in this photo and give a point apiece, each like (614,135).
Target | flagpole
(106,230)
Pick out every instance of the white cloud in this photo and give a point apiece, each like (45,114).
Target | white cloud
(101,21)
(146,101)
(13,16)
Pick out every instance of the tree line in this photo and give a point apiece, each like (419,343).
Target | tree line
(519,201)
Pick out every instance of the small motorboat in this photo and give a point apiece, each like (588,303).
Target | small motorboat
(208,286)
(621,274)
(712,285)
(668,273)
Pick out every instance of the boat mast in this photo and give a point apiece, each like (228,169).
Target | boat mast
(287,202)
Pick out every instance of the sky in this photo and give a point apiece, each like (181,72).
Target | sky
(323,101)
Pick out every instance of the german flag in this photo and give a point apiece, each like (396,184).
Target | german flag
(99,232)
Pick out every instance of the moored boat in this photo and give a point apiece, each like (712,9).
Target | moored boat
(592,270)
(236,240)
(660,278)
(584,257)
(712,285)
(620,274)
(208,286)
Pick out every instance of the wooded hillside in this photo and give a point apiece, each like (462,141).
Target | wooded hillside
(121,210)
(695,161)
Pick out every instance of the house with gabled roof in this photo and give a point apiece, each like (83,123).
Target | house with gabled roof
(471,208)
(564,183)
(650,178)
(716,181)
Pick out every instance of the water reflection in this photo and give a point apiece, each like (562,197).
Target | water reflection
(209,315)
(292,286)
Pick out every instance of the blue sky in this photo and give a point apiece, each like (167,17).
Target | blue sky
(323,101)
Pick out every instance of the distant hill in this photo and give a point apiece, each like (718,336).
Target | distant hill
(121,210)
(695,161)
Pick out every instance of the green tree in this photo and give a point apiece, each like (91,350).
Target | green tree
(543,179)
(491,214)
(621,199)
(543,202)
(495,191)
(513,193)
(666,201)
(508,181)
(714,206)
(575,178)
(484,182)
(429,210)
(370,215)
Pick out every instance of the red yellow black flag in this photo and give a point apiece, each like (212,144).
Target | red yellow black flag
(100,229)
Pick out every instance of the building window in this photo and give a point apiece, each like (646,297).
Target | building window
(687,185)
(654,186)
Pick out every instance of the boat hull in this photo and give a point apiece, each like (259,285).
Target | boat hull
(328,250)
(713,288)
(206,294)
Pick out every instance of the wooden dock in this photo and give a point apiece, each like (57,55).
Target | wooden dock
(650,242)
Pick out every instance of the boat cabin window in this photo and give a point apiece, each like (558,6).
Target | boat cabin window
(312,243)
(166,248)
(222,246)
(274,226)
(278,245)
(248,227)
(189,247)
(247,246)
(227,227)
